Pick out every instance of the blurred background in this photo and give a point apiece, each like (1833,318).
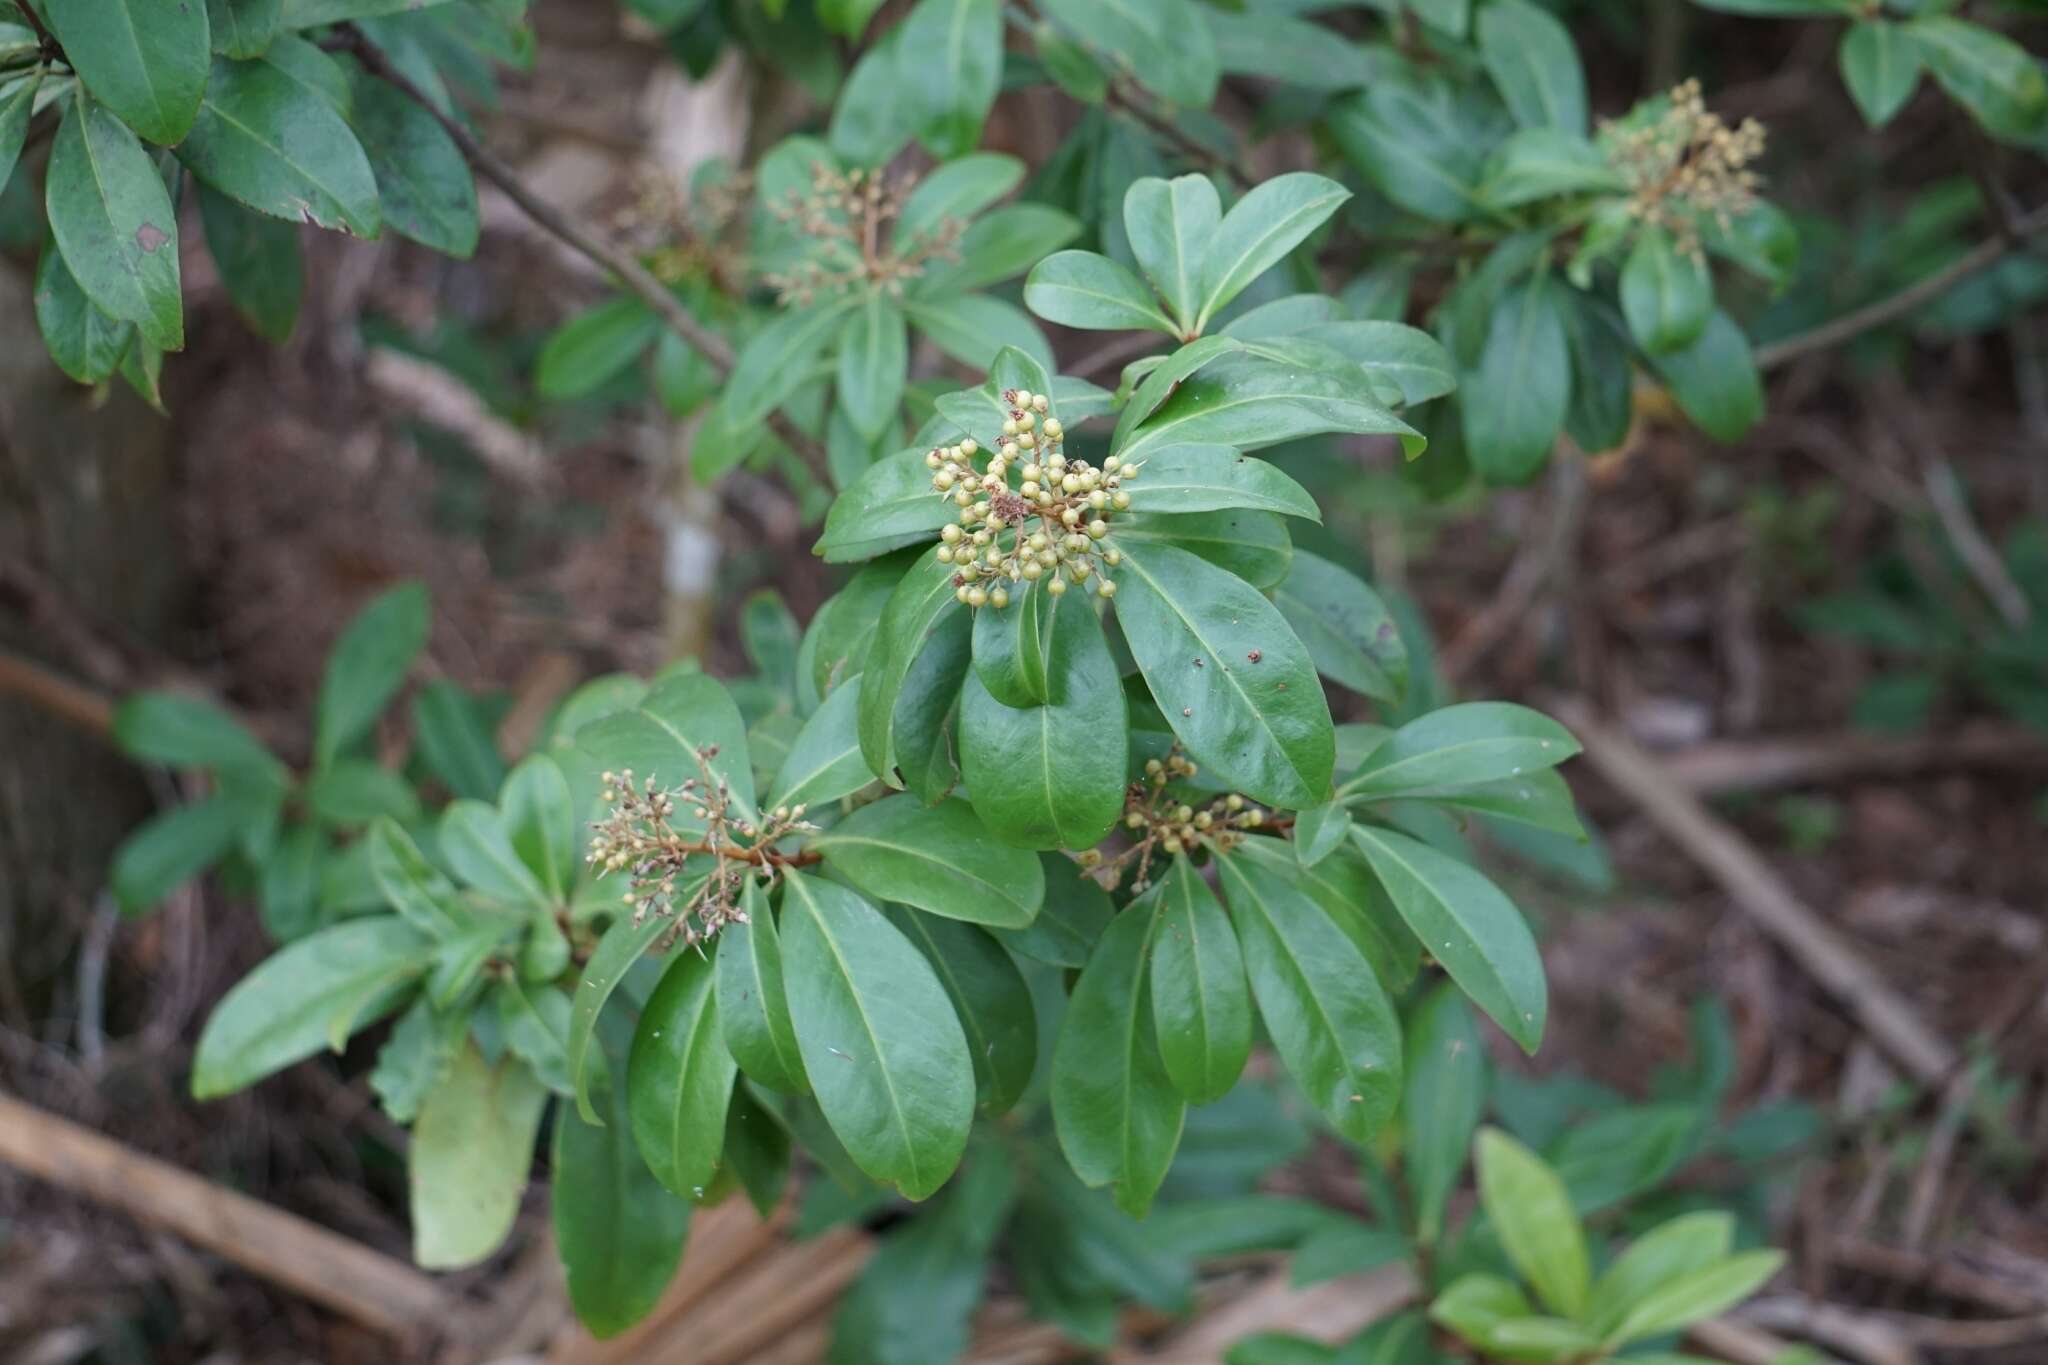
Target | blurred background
(1812,668)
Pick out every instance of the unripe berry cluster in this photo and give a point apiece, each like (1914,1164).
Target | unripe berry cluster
(1049,528)
(1162,825)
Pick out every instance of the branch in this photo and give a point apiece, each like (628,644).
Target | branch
(49,41)
(582,238)
(31,681)
(1852,325)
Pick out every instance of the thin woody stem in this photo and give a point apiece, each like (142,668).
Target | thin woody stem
(583,239)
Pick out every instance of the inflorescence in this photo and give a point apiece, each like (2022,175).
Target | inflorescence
(1687,165)
(1054,520)
(851,214)
(695,875)
(1162,825)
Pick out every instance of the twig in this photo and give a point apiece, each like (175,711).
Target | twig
(1814,760)
(1890,309)
(363,1285)
(1869,1339)
(583,239)
(1178,136)
(1890,1019)
(1917,1270)
(1952,509)
(28,12)
(1534,566)
(74,702)
(1745,1344)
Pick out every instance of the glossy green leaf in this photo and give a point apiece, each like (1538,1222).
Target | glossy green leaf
(679,1077)
(974,328)
(1456,746)
(1163,43)
(85,342)
(1666,293)
(1533,1216)
(1468,925)
(354,791)
(1013,647)
(367,665)
(145,60)
(1699,1295)
(951,51)
(243,28)
(825,762)
(1515,402)
(1346,628)
(989,995)
(1881,65)
(619,1233)
(186,732)
(478,849)
(1320,831)
(538,812)
(622,946)
(915,1299)
(410,884)
(1201,1005)
(17,107)
(1115,1109)
(1214,478)
(883,1047)
(685,725)
(1170,224)
(176,845)
(1671,1251)
(423,179)
(1997,80)
(777,360)
(1234,682)
(1075,913)
(937,858)
(1004,244)
(874,352)
(259,262)
(1259,230)
(1408,138)
(289,1007)
(1322,1005)
(1405,364)
(1082,289)
(417,1057)
(455,740)
(1279,391)
(1715,380)
(113,220)
(956,191)
(1292,51)
(1474,1304)
(1535,164)
(890,505)
(1534,64)
(273,145)
(471,1158)
(593,347)
(1444,1095)
(753,1005)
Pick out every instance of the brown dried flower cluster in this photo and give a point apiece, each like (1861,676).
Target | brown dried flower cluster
(1687,165)
(850,215)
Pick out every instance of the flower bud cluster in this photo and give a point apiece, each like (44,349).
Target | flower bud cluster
(694,875)
(1688,166)
(1049,528)
(1161,824)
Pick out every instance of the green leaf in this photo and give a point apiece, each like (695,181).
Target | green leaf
(424,180)
(1013,647)
(777,359)
(1547,163)
(478,849)
(416,1058)
(1051,775)
(920,604)
(915,1299)
(1473,1305)
(753,1007)
(679,1077)
(685,725)
(1075,913)
(258,259)
(17,107)
(1283,389)
(1234,682)
(1201,1006)
(142,369)
(1070,65)
(619,1233)
(1345,627)
(1320,831)
(1533,1217)
(113,220)
(1323,1007)
(86,343)
(289,883)
(1540,800)
(974,328)
(879,1038)
(1163,43)
(1515,402)
(534,1018)
(593,347)
(471,1155)
(825,763)
(185,732)
(1170,224)
(989,995)
(956,192)
(173,847)
(1671,1251)
(1715,380)
(1409,139)
(144,60)
(1406,364)
(242,28)
(1603,379)
(368,664)
(621,947)
(1444,1094)
(1113,1105)
(1344,886)
(1780,9)
(455,740)
(937,858)
(1005,244)
(1666,293)
(1457,746)
(355,791)
(890,505)
(273,145)
(288,1008)
(1881,65)
(874,353)
(1215,478)
(1259,230)
(1996,79)
(305,63)
(1467,925)
(1690,1298)
(757,1150)
(1292,51)
(1534,64)
(410,884)
(951,53)
(1082,289)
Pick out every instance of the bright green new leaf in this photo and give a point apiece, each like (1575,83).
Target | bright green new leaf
(1701,1294)
(880,1040)
(410,884)
(686,726)
(1201,1005)
(1259,230)
(1533,1216)
(1671,1251)
(1113,1105)
(936,858)
(471,1159)
(478,849)
(538,812)
(113,220)
(1280,390)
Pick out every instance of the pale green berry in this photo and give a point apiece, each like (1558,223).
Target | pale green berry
(949,534)
(1233,802)
(981,537)
(1120,501)
(999,599)
(1057,587)
(1031,568)
(1053,427)
(944,554)
(931,461)
(943,480)
(1112,556)
(1097,529)
(969,446)
(1038,540)
(1023,398)
(960,594)
(1072,516)
(1027,440)
(1171,844)
(1070,483)
(977,597)
(1040,401)
(1105,587)
(1029,488)
(1098,499)
(1134,820)
(963,498)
